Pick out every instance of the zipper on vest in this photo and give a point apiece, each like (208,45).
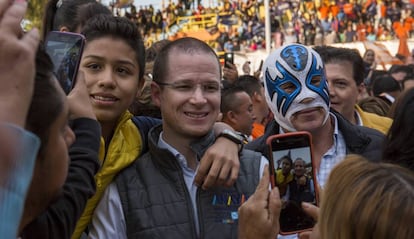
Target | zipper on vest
(199,214)
(189,202)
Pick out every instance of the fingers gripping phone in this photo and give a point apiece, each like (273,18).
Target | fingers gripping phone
(228,57)
(65,50)
(293,172)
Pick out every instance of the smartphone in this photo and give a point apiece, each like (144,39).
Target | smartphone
(65,50)
(260,65)
(293,172)
(228,57)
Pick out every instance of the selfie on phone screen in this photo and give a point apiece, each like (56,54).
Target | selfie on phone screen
(294,176)
(65,50)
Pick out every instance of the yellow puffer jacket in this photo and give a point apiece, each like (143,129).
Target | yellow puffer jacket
(124,148)
(374,121)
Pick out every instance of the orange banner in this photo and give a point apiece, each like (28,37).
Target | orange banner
(382,55)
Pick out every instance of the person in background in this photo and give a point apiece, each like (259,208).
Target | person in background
(70,16)
(408,82)
(246,69)
(19,146)
(230,73)
(387,88)
(237,110)
(398,147)
(143,105)
(375,105)
(343,68)
(398,72)
(261,111)
(369,67)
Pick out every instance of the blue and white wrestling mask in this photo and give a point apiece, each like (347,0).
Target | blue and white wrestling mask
(291,74)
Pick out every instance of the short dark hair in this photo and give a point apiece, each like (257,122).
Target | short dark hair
(287,157)
(401,68)
(330,54)
(152,52)
(70,14)
(119,28)
(249,83)
(385,83)
(228,100)
(186,45)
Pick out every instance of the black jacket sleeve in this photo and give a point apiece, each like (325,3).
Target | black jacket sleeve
(59,220)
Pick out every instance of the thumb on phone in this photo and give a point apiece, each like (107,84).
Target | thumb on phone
(311,210)
(79,102)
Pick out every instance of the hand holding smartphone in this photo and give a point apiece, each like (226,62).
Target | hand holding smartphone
(293,172)
(65,50)
(228,57)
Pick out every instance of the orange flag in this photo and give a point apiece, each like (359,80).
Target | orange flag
(382,55)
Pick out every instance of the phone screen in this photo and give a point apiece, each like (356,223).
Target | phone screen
(65,50)
(293,174)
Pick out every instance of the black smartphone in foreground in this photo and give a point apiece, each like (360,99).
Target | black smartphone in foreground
(65,50)
(293,172)
(228,57)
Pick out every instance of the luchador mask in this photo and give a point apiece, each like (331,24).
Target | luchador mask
(301,69)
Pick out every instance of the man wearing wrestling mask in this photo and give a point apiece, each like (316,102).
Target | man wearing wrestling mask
(297,93)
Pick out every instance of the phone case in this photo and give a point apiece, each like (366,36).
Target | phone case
(293,139)
(66,67)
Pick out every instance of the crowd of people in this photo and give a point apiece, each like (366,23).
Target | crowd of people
(305,22)
(83,166)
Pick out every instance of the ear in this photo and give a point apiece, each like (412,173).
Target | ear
(257,97)
(141,84)
(156,94)
(362,92)
(231,117)
(219,117)
(362,88)
(63,29)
